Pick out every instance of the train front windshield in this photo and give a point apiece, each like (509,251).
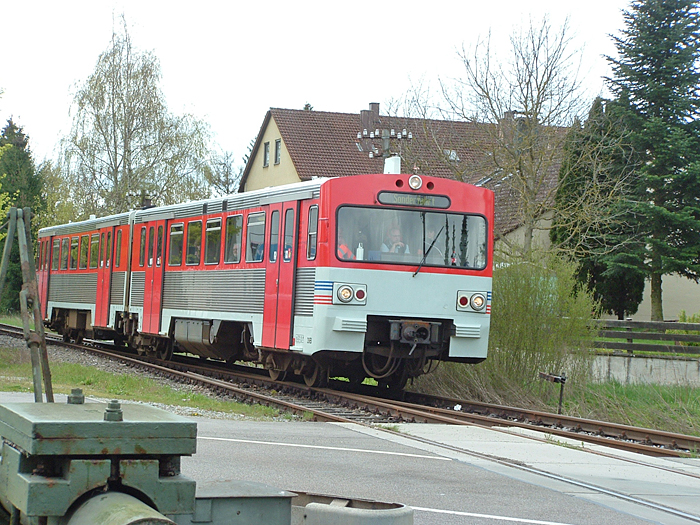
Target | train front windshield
(399,236)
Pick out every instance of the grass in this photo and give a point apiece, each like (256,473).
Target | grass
(16,376)
(673,408)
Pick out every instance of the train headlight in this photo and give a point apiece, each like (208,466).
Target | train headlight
(477,302)
(468,301)
(345,293)
(415,182)
(352,294)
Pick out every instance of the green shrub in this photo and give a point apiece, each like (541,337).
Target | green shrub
(539,323)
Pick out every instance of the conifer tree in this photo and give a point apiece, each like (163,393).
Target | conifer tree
(23,186)
(598,155)
(656,79)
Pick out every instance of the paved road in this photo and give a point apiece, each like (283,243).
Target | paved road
(443,486)
(449,485)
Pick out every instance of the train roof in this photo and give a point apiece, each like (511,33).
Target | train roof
(238,201)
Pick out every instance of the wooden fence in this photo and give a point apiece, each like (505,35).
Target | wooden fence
(646,333)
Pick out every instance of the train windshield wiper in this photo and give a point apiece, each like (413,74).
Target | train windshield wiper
(425,255)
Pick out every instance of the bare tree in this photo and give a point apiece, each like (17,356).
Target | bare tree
(124,142)
(524,107)
(222,174)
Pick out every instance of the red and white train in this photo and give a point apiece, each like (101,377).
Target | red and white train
(366,276)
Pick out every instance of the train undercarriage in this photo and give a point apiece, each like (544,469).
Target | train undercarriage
(395,350)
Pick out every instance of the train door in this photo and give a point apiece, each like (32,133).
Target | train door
(43,272)
(102,241)
(153,288)
(279,282)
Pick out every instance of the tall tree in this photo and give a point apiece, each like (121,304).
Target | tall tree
(598,155)
(524,107)
(124,142)
(222,175)
(23,186)
(656,79)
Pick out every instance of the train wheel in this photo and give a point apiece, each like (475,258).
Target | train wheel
(316,376)
(277,375)
(165,350)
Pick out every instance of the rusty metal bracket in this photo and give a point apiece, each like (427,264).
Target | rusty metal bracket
(30,304)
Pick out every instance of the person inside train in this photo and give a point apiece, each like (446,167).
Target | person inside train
(344,251)
(431,232)
(393,242)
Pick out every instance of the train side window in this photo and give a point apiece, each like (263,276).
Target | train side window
(142,248)
(65,248)
(83,252)
(234,225)
(151,233)
(288,235)
(255,237)
(176,243)
(108,248)
(212,243)
(102,251)
(159,245)
(55,254)
(274,235)
(118,250)
(312,233)
(194,242)
(74,253)
(94,249)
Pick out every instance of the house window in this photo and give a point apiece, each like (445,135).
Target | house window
(451,155)
(278,150)
(266,155)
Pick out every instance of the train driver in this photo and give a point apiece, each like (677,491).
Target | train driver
(393,242)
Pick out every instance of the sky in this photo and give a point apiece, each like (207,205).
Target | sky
(227,63)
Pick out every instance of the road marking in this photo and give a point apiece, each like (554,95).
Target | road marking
(489,516)
(439,458)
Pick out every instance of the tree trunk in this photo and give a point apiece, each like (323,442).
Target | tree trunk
(657,311)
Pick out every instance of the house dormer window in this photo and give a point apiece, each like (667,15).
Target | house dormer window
(266,155)
(278,150)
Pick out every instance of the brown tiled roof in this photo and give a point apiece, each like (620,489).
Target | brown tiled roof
(325,144)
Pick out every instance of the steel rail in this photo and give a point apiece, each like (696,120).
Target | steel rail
(422,409)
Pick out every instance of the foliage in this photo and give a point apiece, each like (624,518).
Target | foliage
(527,101)
(685,318)
(539,323)
(22,187)
(222,175)
(125,145)
(656,80)
(598,158)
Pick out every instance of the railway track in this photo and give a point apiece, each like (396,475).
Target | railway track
(253,385)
